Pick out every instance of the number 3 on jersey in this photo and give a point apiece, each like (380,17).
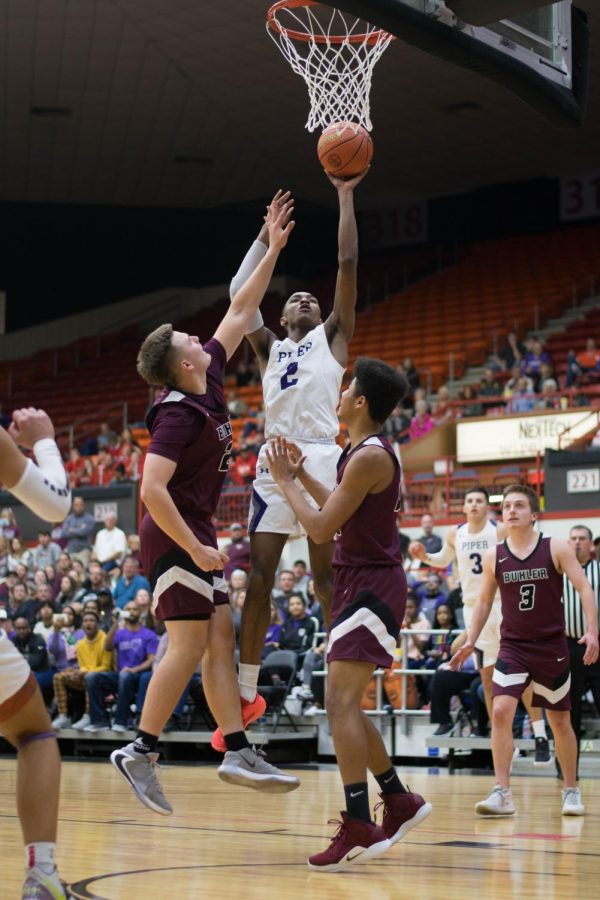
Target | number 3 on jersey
(287,380)
(527,597)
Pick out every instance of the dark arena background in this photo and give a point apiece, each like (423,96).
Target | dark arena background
(141,142)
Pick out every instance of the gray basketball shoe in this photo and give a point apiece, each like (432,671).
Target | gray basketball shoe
(140,771)
(249,768)
(40,886)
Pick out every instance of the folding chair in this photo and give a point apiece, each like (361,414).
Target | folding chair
(275,679)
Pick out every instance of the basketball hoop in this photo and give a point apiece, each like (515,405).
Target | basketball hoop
(334,53)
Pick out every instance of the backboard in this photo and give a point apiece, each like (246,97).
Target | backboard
(537,51)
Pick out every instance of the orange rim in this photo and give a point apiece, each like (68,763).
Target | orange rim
(272,22)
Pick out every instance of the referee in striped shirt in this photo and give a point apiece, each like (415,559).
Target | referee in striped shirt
(583,678)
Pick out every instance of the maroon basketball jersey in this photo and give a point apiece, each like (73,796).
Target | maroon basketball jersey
(194,431)
(531,591)
(370,536)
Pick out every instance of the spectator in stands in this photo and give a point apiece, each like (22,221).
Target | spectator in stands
(511,385)
(313,605)
(8,523)
(238,551)
(17,596)
(63,565)
(512,352)
(437,649)
(7,582)
(412,374)
(429,595)
(522,400)
(77,529)
(422,421)
(75,466)
(135,646)
(143,598)
(548,398)
(125,441)
(19,554)
(301,577)
(238,409)
(273,635)
(96,577)
(103,469)
(129,583)
(443,410)
(30,608)
(298,628)
(107,439)
(33,648)
(70,592)
(489,386)
(91,657)
(134,548)
(432,542)
(587,362)
(238,598)
(4,553)
(470,406)
(532,362)
(395,428)
(106,606)
(445,685)
(243,468)
(284,590)
(44,625)
(415,645)
(45,553)
(110,546)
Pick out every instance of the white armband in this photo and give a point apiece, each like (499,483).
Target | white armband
(45,488)
(249,263)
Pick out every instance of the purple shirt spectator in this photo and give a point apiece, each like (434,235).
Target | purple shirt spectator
(134,647)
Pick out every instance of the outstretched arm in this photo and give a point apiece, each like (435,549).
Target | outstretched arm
(247,300)
(258,335)
(43,488)
(481,610)
(440,560)
(339,326)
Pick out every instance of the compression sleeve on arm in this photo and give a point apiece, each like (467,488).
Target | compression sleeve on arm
(45,488)
(443,558)
(249,263)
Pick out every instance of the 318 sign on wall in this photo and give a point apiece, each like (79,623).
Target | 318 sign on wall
(580,197)
(395,226)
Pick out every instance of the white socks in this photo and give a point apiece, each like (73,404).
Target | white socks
(40,855)
(539,729)
(247,680)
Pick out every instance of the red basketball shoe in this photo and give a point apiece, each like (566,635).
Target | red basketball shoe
(401,812)
(355,841)
(251,711)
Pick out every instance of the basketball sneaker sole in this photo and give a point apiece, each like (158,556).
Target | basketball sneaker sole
(117,759)
(353,856)
(420,815)
(267,784)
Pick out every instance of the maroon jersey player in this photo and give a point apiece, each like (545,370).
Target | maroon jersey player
(369,596)
(183,475)
(528,568)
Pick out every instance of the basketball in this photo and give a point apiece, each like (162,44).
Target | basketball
(345,149)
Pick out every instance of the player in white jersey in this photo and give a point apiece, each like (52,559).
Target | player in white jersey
(302,376)
(466,544)
(24,720)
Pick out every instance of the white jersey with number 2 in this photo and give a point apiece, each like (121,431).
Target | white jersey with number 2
(301,388)
(469,556)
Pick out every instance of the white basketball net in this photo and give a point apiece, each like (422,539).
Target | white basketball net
(337,74)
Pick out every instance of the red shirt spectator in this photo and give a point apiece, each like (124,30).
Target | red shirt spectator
(104,470)
(243,468)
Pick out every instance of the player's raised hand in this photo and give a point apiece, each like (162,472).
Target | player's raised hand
(591,648)
(281,467)
(346,184)
(279,222)
(207,558)
(29,426)
(296,457)
(280,198)
(461,656)
(417,550)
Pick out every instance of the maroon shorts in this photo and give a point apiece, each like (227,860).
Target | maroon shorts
(367,613)
(544,663)
(180,590)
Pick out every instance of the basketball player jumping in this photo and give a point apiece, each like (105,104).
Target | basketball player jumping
(466,544)
(528,568)
(301,377)
(183,475)
(24,720)
(369,596)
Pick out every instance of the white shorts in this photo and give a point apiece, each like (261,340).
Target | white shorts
(14,671)
(488,642)
(269,509)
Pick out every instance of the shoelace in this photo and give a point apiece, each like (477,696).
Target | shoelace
(340,830)
(571,792)
(154,770)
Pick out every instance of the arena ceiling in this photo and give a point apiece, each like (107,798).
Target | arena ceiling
(187,103)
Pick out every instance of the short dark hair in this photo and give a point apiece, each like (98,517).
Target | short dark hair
(478,489)
(527,491)
(582,528)
(300,562)
(380,385)
(90,612)
(156,357)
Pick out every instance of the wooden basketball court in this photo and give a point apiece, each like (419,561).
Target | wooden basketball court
(224,841)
